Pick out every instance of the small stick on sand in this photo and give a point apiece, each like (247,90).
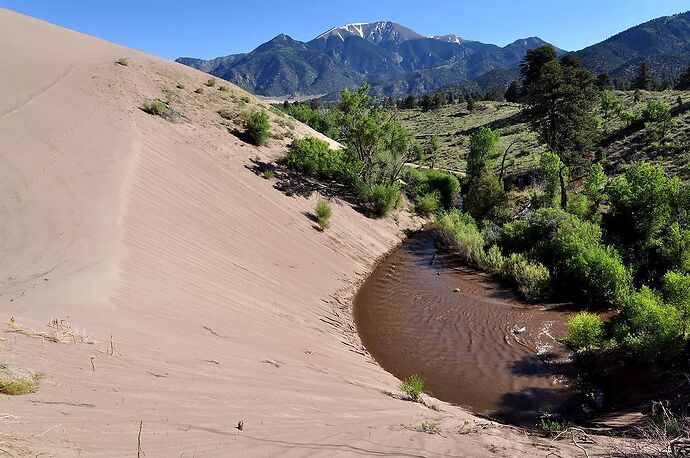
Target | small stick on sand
(112,350)
(93,366)
(214,332)
(139,452)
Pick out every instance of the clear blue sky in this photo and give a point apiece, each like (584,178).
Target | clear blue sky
(208,29)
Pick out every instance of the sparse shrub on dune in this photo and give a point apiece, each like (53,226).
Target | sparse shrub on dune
(226,114)
(430,427)
(223,88)
(323,213)
(199,90)
(180,86)
(256,127)
(169,94)
(155,107)
(268,174)
(211,82)
(15,383)
(412,386)
(122,61)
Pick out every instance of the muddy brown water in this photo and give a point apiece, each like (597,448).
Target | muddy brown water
(468,336)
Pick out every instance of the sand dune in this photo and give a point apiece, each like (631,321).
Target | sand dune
(222,301)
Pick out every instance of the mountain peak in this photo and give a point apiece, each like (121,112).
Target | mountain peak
(281,37)
(375,32)
(450,38)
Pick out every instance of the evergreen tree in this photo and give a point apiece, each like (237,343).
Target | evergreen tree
(434,150)
(604,82)
(560,97)
(683,83)
(514,92)
(471,104)
(643,79)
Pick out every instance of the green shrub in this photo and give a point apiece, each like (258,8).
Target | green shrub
(424,182)
(676,292)
(14,383)
(315,158)
(493,261)
(573,249)
(211,82)
(323,213)
(516,236)
(532,279)
(384,198)
(412,386)
(256,127)
(600,272)
(458,231)
(485,197)
(428,203)
(430,427)
(650,329)
(585,331)
(579,205)
(317,120)
(268,174)
(155,107)
(223,88)
(659,117)
(552,426)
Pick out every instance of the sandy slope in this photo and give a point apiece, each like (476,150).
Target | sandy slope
(216,289)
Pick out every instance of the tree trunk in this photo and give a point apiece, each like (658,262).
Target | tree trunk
(564,194)
(503,161)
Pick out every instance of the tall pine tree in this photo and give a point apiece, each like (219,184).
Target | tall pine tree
(561,97)
(643,79)
(683,83)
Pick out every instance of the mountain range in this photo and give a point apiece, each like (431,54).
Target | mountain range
(396,60)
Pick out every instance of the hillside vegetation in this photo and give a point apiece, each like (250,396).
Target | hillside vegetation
(621,143)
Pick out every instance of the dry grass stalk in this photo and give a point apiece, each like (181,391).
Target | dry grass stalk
(61,331)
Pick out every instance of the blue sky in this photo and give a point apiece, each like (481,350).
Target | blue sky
(209,29)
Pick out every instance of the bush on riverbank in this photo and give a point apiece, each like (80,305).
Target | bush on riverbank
(431,190)
(459,233)
(585,331)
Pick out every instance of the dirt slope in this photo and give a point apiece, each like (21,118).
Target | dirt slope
(216,290)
